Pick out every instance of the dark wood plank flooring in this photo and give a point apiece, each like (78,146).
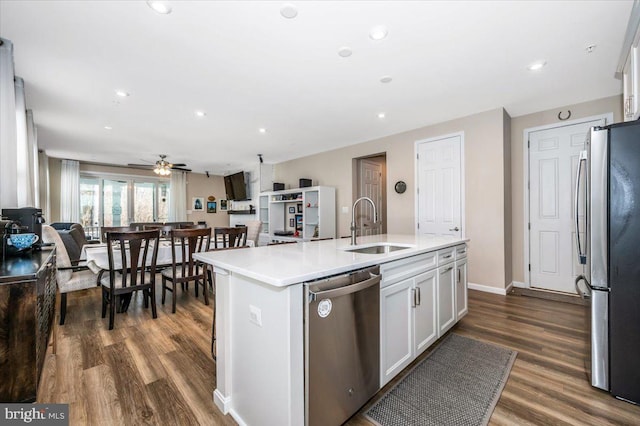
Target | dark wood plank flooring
(160,372)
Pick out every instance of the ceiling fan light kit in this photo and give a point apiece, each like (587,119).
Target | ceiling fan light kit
(162,167)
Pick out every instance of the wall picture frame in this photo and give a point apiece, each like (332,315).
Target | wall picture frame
(292,223)
(223,205)
(292,210)
(211,206)
(299,207)
(197,204)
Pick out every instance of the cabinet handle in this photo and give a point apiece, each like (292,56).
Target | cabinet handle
(447,256)
(414,302)
(447,270)
(458,275)
(418,291)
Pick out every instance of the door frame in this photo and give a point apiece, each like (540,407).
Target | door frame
(608,119)
(416,202)
(355,185)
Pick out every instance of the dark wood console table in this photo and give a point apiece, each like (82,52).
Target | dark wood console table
(27,308)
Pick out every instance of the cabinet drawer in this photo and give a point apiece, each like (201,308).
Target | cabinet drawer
(446,255)
(399,270)
(461,251)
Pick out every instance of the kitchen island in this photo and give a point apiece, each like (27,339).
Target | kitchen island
(260,313)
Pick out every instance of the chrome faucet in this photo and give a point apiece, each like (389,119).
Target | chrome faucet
(353,217)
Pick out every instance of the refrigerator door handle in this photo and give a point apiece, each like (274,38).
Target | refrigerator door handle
(587,295)
(581,256)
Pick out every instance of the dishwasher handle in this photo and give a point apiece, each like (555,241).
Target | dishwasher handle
(341,291)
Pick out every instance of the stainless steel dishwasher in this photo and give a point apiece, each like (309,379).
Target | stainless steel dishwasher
(342,345)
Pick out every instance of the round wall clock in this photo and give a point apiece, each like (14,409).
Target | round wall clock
(400,187)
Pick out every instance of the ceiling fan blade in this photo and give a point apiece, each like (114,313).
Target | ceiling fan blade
(180,168)
(149,166)
(179,165)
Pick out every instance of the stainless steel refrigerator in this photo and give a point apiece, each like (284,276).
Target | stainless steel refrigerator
(608,191)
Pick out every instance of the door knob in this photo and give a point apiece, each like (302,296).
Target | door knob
(454,229)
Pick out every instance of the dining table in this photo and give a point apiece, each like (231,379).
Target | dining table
(97,258)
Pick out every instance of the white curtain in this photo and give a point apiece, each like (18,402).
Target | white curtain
(25,197)
(34,164)
(70,191)
(45,197)
(8,138)
(178,197)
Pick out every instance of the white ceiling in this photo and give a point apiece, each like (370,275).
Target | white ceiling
(248,67)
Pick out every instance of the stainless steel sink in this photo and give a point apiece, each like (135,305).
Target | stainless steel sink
(379,248)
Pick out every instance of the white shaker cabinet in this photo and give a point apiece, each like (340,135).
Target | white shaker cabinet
(446,290)
(407,312)
(461,282)
(396,329)
(424,312)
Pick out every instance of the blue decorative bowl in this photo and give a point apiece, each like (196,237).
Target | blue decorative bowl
(22,241)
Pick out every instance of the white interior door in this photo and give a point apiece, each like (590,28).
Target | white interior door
(439,186)
(370,181)
(553,160)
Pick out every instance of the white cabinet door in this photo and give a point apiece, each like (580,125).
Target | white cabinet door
(446,298)
(396,331)
(425,321)
(461,288)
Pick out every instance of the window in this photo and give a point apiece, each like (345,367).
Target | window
(120,200)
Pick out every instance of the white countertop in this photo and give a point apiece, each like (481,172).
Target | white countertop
(285,264)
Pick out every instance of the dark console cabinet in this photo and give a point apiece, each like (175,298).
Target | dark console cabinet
(27,308)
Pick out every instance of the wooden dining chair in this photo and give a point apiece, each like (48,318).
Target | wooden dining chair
(165,230)
(68,277)
(184,268)
(230,237)
(105,229)
(132,266)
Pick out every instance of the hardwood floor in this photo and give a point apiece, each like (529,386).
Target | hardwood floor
(160,372)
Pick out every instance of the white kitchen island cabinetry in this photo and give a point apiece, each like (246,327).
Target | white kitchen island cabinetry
(446,290)
(407,312)
(461,282)
(259,312)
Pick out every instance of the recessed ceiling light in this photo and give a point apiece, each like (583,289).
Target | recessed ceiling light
(345,52)
(262,130)
(200,113)
(536,66)
(378,32)
(122,93)
(381,115)
(386,79)
(108,127)
(288,11)
(162,7)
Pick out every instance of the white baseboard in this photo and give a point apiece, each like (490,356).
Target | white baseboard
(489,289)
(222,402)
(518,284)
(237,418)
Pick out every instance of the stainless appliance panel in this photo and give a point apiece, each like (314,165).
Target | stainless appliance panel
(342,346)
(596,229)
(600,339)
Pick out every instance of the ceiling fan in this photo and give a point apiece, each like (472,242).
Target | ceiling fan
(163,167)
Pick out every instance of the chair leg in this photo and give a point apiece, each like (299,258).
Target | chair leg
(196,284)
(63,307)
(152,296)
(164,288)
(145,298)
(204,288)
(173,308)
(104,303)
(112,310)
